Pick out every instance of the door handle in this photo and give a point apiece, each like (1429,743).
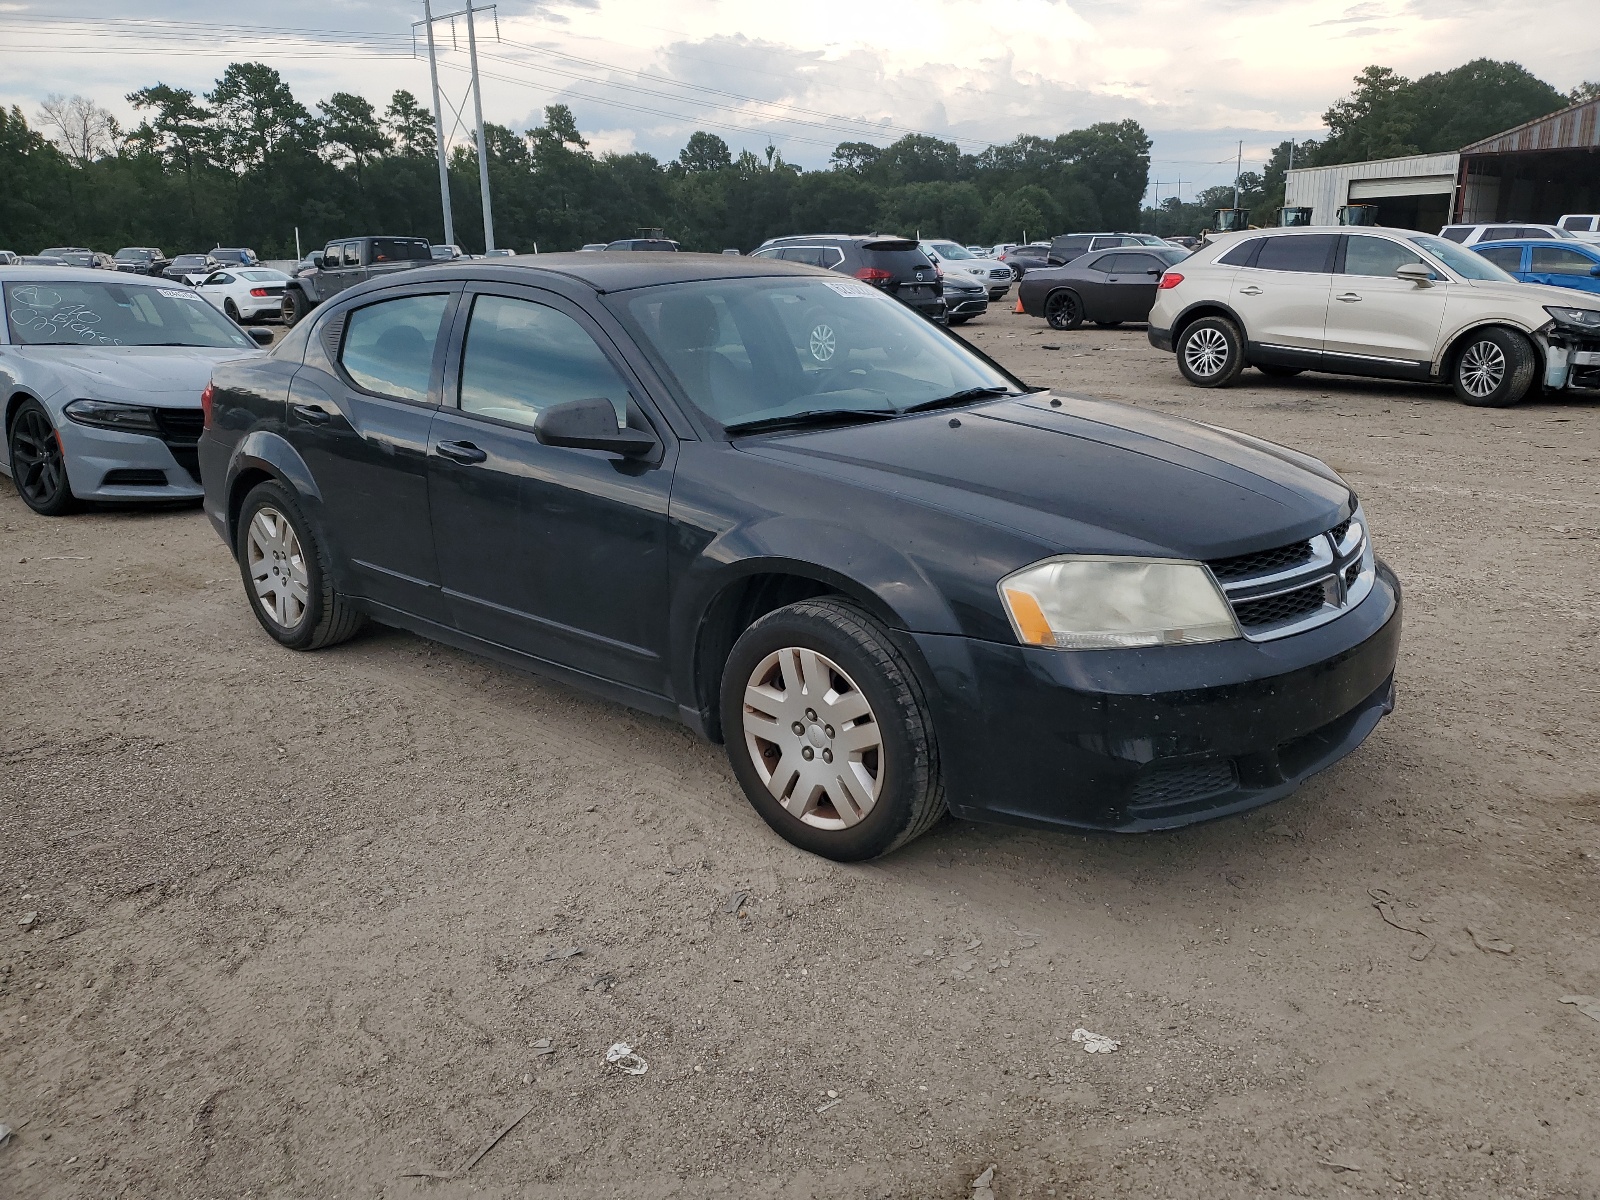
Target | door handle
(461,452)
(1252,290)
(312,415)
(1348,297)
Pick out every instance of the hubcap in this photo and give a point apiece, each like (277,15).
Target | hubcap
(813,738)
(1206,351)
(1483,367)
(823,343)
(36,463)
(277,567)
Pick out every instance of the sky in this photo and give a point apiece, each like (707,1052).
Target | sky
(1201,77)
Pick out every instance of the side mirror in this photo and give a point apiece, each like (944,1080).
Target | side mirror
(261,337)
(1417,273)
(591,424)
(1595,270)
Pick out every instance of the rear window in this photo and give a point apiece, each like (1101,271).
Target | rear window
(1455,234)
(1242,255)
(1301,254)
(903,262)
(400,250)
(1581,224)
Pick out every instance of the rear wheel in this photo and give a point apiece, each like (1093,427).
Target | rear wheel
(286,576)
(1494,368)
(38,467)
(294,307)
(1063,310)
(828,732)
(1210,352)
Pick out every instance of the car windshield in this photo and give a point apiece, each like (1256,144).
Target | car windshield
(759,350)
(189,260)
(133,255)
(77,259)
(951,250)
(113,314)
(1466,263)
(262,275)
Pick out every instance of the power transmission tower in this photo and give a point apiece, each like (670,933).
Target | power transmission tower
(440,136)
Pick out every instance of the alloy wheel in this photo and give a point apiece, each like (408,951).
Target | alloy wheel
(1483,368)
(277,567)
(37,466)
(813,738)
(1061,311)
(1205,352)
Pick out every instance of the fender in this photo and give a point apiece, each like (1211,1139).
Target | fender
(1182,318)
(880,578)
(267,451)
(1540,346)
(307,286)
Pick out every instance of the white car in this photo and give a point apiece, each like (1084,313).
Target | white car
(1390,303)
(245,293)
(1583,226)
(102,375)
(1505,231)
(954,258)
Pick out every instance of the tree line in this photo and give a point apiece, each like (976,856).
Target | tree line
(247,162)
(1385,115)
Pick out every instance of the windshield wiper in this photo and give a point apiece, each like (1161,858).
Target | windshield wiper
(965,396)
(813,416)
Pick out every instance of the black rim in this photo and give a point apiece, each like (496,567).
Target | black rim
(1058,311)
(36,463)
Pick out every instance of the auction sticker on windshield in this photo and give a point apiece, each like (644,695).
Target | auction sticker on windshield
(849,289)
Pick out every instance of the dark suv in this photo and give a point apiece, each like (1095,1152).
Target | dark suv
(141,260)
(346,263)
(892,264)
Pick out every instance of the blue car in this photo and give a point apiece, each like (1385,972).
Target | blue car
(1568,264)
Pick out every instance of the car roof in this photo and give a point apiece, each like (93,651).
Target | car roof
(38,273)
(617,272)
(1560,243)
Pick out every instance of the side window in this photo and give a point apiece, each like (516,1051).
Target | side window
(768,253)
(1502,233)
(1577,224)
(1242,255)
(1457,234)
(352,254)
(333,255)
(522,357)
(1507,258)
(1137,264)
(832,256)
(1104,263)
(1366,255)
(1309,253)
(388,346)
(1558,260)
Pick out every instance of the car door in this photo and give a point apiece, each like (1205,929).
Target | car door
(1131,285)
(360,413)
(1562,266)
(1088,278)
(1280,292)
(214,287)
(1377,321)
(558,553)
(333,277)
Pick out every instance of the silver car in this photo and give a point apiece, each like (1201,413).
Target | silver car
(102,375)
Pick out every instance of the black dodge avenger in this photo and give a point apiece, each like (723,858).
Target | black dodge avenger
(781,507)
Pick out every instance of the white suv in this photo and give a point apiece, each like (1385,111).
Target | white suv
(995,276)
(1385,302)
(1471,235)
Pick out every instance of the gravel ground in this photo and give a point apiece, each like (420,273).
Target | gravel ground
(307,924)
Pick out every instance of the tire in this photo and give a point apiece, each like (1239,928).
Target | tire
(294,307)
(38,465)
(1063,310)
(1278,372)
(274,533)
(1108,324)
(1210,352)
(1493,368)
(231,310)
(888,787)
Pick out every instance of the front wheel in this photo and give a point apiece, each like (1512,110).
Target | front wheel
(1494,369)
(1210,352)
(286,576)
(232,311)
(294,307)
(38,467)
(1063,310)
(828,732)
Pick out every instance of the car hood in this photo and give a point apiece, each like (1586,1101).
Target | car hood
(163,375)
(1089,476)
(1531,293)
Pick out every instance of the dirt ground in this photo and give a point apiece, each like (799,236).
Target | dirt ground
(306,924)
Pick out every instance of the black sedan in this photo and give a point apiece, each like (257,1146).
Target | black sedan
(1107,288)
(778,506)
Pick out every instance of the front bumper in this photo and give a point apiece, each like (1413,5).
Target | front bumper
(1161,339)
(104,464)
(1135,740)
(969,306)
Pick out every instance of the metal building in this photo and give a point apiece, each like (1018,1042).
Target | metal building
(1534,173)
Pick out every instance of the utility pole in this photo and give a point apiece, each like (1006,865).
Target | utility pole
(476,87)
(1237,167)
(438,129)
(483,155)
(1291,154)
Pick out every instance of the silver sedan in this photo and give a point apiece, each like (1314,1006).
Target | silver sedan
(102,378)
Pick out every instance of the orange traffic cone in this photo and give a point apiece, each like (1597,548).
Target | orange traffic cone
(1018,308)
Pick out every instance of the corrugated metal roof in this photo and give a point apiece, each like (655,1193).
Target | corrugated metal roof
(1574,128)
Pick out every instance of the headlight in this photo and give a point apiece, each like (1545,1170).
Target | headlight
(103,414)
(1586,318)
(1078,602)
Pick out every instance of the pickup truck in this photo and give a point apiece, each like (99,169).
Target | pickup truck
(345,263)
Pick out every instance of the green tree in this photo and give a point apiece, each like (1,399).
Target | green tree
(350,125)
(409,125)
(255,114)
(705,152)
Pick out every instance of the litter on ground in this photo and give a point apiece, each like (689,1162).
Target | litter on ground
(1095,1043)
(622,1057)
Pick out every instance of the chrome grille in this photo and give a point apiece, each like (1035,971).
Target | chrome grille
(1289,589)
